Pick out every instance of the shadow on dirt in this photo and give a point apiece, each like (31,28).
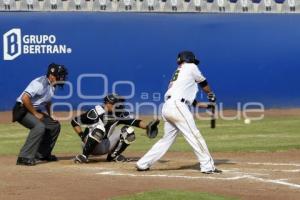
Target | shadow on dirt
(196,165)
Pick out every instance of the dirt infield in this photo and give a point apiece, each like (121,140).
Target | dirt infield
(246,175)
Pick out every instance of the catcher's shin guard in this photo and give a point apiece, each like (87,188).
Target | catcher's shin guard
(126,138)
(93,139)
(89,146)
(120,147)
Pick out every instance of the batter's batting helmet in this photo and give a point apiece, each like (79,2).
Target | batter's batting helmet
(59,71)
(188,57)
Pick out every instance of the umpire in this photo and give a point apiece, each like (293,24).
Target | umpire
(28,111)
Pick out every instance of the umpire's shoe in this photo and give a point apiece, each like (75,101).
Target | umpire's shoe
(81,159)
(51,158)
(25,161)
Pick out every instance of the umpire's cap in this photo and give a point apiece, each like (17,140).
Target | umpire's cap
(59,71)
(113,99)
(188,57)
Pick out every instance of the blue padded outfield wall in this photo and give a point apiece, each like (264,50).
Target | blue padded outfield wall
(246,57)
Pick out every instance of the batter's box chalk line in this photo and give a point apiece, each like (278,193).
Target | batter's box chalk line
(233,178)
(237,171)
(274,164)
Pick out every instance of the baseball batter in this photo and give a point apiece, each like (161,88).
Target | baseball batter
(177,116)
(102,136)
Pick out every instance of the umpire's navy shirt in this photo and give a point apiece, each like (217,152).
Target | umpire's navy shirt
(40,91)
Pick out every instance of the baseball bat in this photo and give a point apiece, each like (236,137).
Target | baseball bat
(213,117)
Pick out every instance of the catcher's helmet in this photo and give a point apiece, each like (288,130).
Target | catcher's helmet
(59,71)
(113,99)
(188,57)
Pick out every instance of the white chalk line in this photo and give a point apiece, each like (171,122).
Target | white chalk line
(291,170)
(114,173)
(237,171)
(238,175)
(279,181)
(276,164)
(264,170)
(247,176)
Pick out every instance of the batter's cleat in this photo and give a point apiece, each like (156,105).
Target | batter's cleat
(142,170)
(79,159)
(51,158)
(215,171)
(25,161)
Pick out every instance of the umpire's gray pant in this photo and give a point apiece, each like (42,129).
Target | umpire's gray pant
(41,138)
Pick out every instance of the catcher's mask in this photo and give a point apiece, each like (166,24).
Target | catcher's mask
(59,71)
(187,57)
(115,100)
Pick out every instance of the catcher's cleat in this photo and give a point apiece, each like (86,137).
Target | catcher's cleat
(119,158)
(79,159)
(142,170)
(215,171)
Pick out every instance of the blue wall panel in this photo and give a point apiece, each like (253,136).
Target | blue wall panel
(245,57)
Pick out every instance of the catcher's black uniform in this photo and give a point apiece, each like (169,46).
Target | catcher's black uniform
(100,137)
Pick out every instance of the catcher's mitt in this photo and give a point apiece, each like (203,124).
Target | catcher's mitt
(152,129)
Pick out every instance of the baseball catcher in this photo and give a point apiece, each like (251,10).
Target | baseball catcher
(102,135)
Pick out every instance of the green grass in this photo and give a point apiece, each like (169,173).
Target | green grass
(270,134)
(172,194)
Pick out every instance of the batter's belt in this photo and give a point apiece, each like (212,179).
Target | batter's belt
(183,100)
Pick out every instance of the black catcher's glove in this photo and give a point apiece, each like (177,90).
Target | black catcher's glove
(211,97)
(152,129)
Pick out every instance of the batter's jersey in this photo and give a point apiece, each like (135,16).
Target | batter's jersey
(184,83)
(40,91)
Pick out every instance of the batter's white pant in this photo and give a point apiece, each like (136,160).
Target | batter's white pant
(178,117)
